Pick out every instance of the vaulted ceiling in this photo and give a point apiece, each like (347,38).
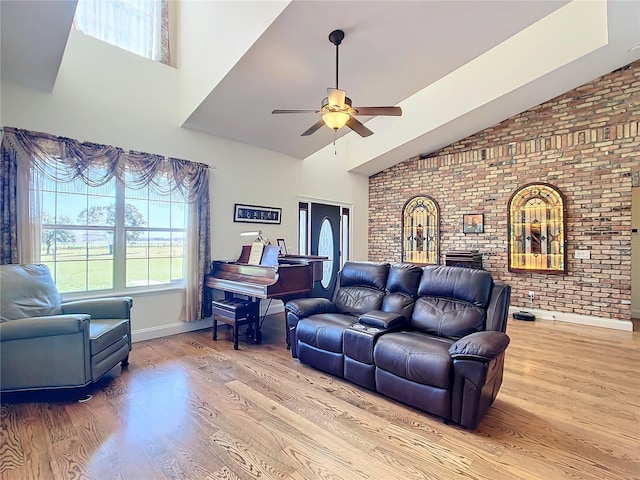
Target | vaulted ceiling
(455,67)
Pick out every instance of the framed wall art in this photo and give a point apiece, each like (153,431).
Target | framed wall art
(473,223)
(256,214)
(283,246)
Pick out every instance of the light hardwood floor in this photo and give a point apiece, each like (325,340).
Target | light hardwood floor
(191,408)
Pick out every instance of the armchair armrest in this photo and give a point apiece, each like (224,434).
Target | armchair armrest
(383,320)
(305,307)
(482,346)
(117,307)
(49,326)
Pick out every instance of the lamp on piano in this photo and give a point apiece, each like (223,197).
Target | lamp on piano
(259,237)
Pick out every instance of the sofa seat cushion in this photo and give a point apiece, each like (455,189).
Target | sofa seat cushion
(415,356)
(324,331)
(446,317)
(104,333)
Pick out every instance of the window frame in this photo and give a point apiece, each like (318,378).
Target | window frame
(119,252)
(110,26)
(555,209)
(304,227)
(409,255)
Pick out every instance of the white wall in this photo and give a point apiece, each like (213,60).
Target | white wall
(106,95)
(224,30)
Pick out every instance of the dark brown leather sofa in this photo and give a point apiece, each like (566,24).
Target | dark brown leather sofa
(431,337)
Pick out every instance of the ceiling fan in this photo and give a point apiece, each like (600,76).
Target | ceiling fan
(337,110)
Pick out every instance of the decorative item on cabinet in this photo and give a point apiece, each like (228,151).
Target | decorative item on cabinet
(283,246)
(537,220)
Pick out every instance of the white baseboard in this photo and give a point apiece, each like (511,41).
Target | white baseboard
(578,319)
(170,329)
(278,307)
(143,334)
(635,313)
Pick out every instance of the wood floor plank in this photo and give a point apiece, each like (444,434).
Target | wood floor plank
(12,455)
(189,407)
(307,445)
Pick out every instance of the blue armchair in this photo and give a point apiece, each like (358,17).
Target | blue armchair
(48,344)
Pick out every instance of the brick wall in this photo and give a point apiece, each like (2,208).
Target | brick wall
(586,143)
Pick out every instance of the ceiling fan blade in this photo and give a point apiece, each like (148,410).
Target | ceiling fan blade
(381,111)
(358,127)
(296,111)
(336,106)
(313,128)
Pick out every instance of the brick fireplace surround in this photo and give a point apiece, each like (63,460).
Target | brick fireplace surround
(585,142)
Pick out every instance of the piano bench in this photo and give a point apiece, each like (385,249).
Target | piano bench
(237,312)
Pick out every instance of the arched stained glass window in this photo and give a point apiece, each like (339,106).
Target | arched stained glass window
(537,226)
(421,231)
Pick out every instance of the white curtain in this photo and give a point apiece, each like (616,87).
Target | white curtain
(29,200)
(139,26)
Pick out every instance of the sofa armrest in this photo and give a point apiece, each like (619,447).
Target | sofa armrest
(482,346)
(302,308)
(49,326)
(117,307)
(305,307)
(498,308)
(380,319)
(478,365)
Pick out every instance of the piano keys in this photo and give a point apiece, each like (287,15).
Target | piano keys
(279,277)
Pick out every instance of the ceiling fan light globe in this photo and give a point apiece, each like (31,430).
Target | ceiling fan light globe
(335,120)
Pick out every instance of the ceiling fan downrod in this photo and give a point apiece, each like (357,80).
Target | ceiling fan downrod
(336,38)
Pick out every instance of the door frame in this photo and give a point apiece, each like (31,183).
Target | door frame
(342,205)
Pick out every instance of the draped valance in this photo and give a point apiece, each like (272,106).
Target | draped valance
(64,159)
(26,156)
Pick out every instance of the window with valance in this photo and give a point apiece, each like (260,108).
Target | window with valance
(104,219)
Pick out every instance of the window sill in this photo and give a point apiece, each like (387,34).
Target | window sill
(138,292)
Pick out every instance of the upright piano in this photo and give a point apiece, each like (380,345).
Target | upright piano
(282,277)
